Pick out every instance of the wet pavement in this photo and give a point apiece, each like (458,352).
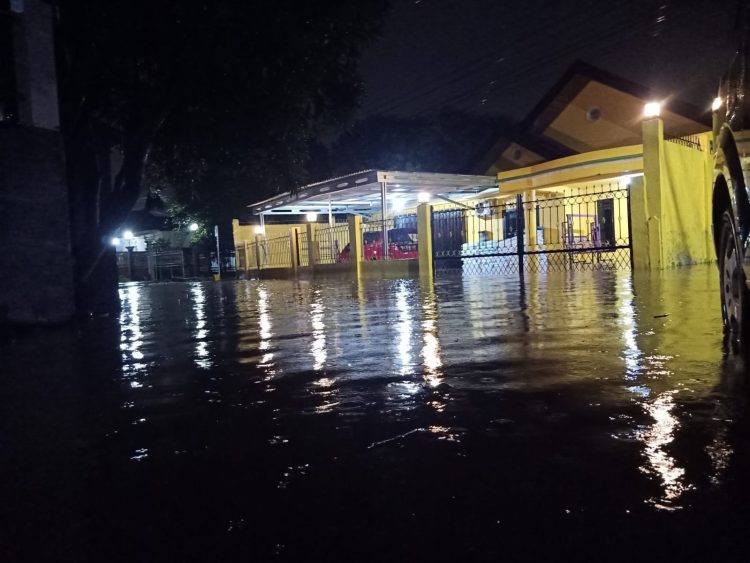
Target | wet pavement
(572,417)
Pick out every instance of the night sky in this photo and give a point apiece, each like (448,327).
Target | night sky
(500,57)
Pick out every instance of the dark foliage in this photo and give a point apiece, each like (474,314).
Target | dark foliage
(219,101)
(446,142)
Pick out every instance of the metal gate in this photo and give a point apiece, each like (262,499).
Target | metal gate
(572,229)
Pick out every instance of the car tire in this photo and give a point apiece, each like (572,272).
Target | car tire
(735,301)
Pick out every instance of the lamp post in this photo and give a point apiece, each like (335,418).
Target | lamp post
(218,253)
(130,247)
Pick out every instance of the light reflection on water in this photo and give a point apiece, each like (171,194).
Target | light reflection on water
(198,294)
(597,341)
(131,333)
(299,413)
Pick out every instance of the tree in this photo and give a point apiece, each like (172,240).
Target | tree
(223,97)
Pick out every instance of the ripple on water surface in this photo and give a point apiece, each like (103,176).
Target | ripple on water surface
(270,406)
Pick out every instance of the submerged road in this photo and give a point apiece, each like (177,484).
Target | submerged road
(584,415)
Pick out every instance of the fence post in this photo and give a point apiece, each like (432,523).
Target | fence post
(424,240)
(294,250)
(312,248)
(529,223)
(520,228)
(258,260)
(247,257)
(355,243)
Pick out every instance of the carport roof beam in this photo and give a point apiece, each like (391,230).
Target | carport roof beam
(360,193)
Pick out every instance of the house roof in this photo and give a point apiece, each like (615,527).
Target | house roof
(535,133)
(580,74)
(360,193)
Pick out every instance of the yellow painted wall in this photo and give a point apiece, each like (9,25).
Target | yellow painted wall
(686,206)
(672,209)
(577,169)
(247,232)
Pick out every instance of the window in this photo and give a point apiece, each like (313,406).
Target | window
(510,223)
(605,211)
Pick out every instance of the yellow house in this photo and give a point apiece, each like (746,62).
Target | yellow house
(588,109)
(649,201)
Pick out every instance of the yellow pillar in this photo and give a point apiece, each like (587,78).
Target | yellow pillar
(293,247)
(312,248)
(260,255)
(247,257)
(424,239)
(530,207)
(355,243)
(646,200)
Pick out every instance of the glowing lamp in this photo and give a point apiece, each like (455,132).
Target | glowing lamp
(259,230)
(423,197)
(128,234)
(652,109)
(311,217)
(115,241)
(193,227)
(716,105)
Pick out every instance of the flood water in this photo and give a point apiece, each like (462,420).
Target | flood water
(574,416)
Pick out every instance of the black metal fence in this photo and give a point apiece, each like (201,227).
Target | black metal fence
(573,229)
(689,141)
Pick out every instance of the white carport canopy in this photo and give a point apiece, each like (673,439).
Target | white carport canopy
(365,193)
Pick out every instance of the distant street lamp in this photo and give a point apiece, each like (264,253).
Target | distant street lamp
(115,241)
(311,217)
(193,227)
(128,234)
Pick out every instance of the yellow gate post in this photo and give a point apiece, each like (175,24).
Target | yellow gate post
(355,244)
(424,239)
(293,247)
(646,200)
(312,248)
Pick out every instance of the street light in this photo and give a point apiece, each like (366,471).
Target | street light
(193,227)
(259,230)
(716,105)
(423,197)
(128,235)
(311,217)
(115,241)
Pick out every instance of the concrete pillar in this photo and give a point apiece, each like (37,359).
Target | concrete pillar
(34,56)
(293,247)
(130,262)
(312,245)
(35,245)
(247,256)
(424,240)
(530,222)
(259,253)
(646,200)
(355,243)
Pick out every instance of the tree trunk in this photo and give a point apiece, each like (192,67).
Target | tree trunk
(100,204)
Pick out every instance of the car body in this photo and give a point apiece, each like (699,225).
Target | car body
(731,198)
(402,245)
